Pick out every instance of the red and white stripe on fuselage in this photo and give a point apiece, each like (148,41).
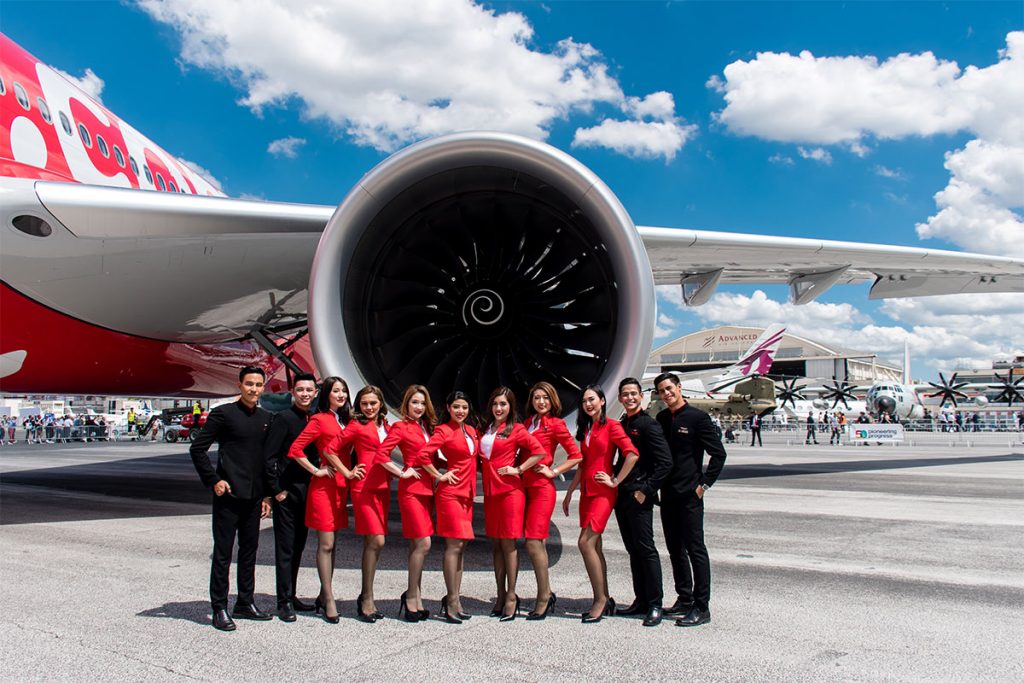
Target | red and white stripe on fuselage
(52,130)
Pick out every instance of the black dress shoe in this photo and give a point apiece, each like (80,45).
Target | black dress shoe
(300,606)
(634,610)
(678,608)
(653,617)
(250,612)
(285,612)
(221,620)
(695,617)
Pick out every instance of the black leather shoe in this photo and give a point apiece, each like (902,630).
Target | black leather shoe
(285,612)
(695,617)
(678,608)
(250,612)
(634,610)
(653,617)
(300,606)
(221,620)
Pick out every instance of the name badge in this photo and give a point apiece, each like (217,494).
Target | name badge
(684,430)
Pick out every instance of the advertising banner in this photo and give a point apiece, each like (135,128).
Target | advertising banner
(877,433)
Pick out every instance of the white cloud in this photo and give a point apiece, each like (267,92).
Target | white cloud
(386,74)
(286,147)
(661,332)
(781,159)
(667,320)
(891,173)
(200,171)
(818,154)
(846,101)
(89,83)
(942,332)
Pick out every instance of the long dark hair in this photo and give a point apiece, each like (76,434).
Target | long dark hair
(513,416)
(446,416)
(381,414)
(584,421)
(323,399)
(429,419)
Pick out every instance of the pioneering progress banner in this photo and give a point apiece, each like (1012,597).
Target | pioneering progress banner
(878,433)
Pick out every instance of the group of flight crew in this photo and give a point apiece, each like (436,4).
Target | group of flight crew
(311,457)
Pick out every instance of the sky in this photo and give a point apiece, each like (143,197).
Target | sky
(897,123)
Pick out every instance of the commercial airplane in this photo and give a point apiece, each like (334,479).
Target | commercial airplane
(756,361)
(469,260)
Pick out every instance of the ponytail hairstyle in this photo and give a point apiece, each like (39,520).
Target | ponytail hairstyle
(511,419)
(381,414)
(584,421)
(457,395)
(429,419)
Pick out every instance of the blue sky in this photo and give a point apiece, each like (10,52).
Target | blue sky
(740,166)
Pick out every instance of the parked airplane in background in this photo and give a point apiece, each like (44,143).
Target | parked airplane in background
(757,361)
(469,260)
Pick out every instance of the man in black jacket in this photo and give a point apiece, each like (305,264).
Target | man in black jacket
(288,483)
(690,433)
(634,507)
(239,429)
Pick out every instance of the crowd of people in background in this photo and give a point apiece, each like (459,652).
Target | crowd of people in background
(49,429)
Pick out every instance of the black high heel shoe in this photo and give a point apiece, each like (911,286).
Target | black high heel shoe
(449,618)
(320,610)
(540,616)
(360,614)
(499,607)
(407,614)
(609,609)
(511,617)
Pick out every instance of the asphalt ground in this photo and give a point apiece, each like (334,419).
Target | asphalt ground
(870,563)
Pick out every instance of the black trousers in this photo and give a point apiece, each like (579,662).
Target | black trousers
(231,517)
(682,518)
(636,522)
(290,534)
(755,433)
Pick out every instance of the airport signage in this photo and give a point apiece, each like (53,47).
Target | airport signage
(878,433)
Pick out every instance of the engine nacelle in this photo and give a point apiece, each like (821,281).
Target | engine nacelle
(476,260)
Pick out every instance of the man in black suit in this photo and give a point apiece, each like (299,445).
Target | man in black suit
(239,429)
(755,430)
(288,483)
(690,433)
(634,506)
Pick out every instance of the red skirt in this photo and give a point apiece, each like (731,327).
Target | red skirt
(595,511)
(417,514)
(540,503)
(325,505)
(371,510)
(454,515)
(503,514)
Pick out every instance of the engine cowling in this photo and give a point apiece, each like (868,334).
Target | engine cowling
(476,260)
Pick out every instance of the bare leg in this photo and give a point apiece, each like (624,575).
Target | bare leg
(604,564)
(325,568)
(588,544)
(511,559)
(372,545)
(418,549)
(499,570)
(538,552)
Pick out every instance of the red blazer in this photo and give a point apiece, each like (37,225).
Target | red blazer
(449,439)
(407,435)
(322,429)
(509,451)
(598,455)
(552,432)
(366,442)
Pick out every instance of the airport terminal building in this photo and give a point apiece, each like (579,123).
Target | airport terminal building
(719,347)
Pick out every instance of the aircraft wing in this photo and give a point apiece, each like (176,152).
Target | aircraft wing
(700,260)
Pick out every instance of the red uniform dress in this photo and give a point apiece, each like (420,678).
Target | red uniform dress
(505,495)
(371,495)
(325,502)
(551,432)
(460,445)
(415,496)
(598,448)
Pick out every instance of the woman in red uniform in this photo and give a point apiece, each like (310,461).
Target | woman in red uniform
(507,450)
(454,494)
(371,495)
(543,421)
(325,502)
(599,438)
(415,491)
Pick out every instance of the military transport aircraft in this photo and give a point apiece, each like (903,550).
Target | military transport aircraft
(470,260)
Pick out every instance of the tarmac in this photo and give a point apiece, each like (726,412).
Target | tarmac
(829,563)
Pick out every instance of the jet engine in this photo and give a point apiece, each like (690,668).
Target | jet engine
(476,260)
